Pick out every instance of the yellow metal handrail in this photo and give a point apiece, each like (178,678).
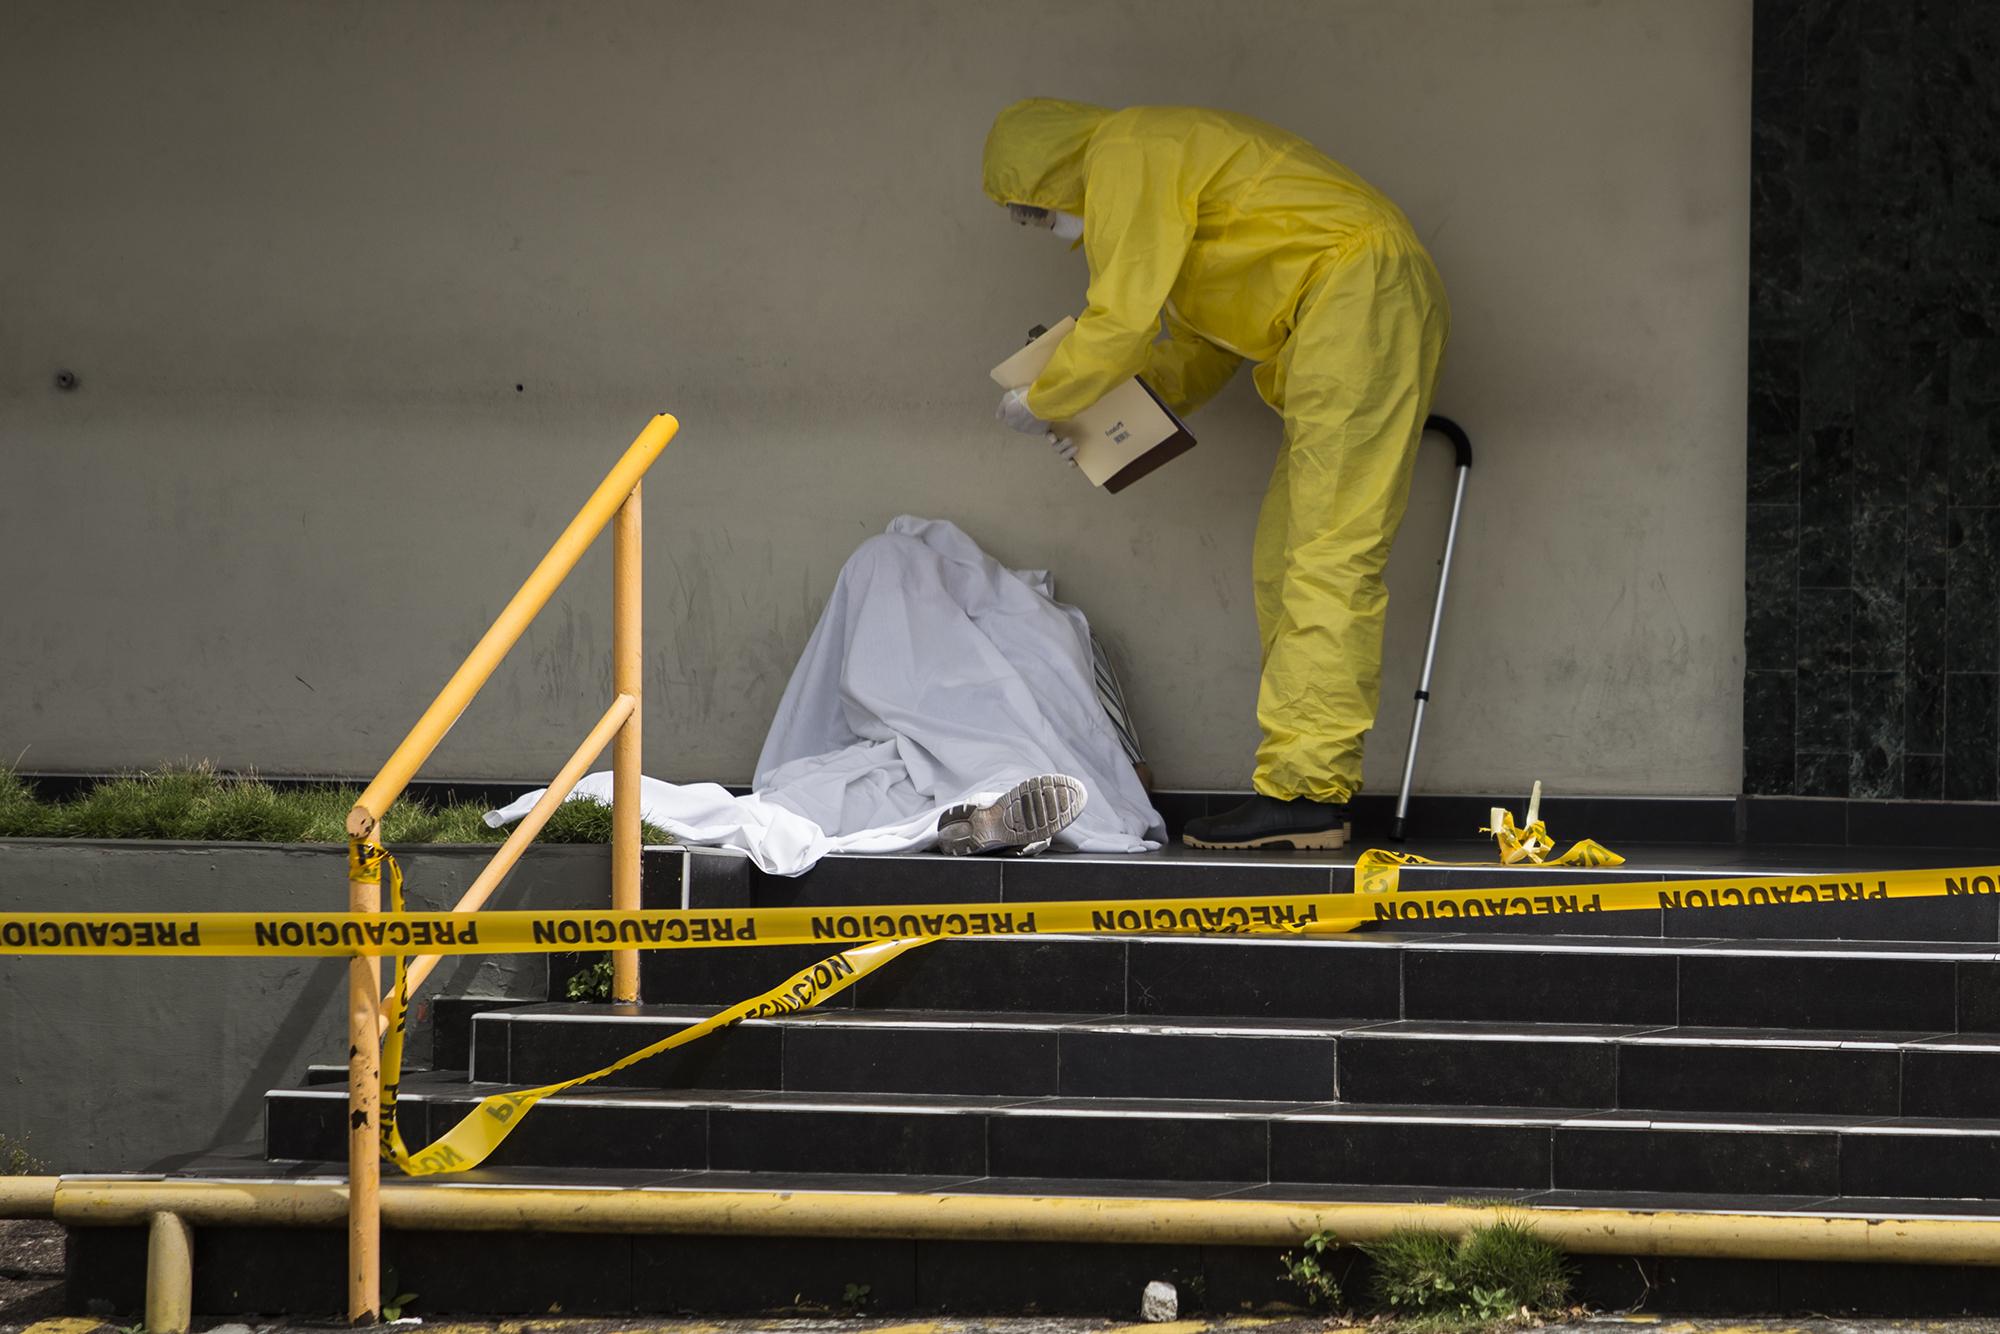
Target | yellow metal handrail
(612,493)
(614,502)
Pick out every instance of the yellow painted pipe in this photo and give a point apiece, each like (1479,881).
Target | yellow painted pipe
(364,1111)
(628,676)
(508,627)
(28,1197)
(169,1274)
(129,1201)
(1065,1219)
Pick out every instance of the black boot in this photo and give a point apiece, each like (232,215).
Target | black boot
(1267,822)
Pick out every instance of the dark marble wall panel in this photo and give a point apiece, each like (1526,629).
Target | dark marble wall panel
(1872,652)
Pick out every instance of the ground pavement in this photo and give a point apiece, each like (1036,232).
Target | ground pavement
(31,1266)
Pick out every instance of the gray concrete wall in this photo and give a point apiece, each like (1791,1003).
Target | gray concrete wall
(303,254)
(115,1064)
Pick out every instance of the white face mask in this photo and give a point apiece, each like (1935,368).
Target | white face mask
(1066,226)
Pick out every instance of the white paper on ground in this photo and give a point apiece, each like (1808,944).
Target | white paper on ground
(935,676)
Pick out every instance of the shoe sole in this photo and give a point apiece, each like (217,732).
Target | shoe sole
(1316,842)
(1024,821)
(1326,840)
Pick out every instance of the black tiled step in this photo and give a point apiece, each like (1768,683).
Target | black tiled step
(1024,1055)
(1503,1149)
(1423,1063)
(1018,1054)
(1355,977)
(1740,989)
(1929,986)
(1601,985)
(1672,1069)
(1702,1158)
(964,1137)
(452,1023)
(1760,1076)
(1954,1160)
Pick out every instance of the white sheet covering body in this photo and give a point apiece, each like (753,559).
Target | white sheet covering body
(935,676)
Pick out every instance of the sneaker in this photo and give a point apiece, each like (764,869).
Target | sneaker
(1024,821)
(1267,822)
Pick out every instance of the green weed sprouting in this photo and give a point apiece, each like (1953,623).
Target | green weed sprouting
(592,983)
(1308,1268)
(1429,1282)
(1496,1272)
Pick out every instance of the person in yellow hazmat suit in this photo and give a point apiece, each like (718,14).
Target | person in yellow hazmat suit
(1213,239)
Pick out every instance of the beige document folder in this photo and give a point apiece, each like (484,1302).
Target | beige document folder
(1119,438)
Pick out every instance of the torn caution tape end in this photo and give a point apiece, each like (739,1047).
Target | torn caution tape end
(1380,872)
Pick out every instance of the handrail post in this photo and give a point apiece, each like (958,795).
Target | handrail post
(628,670)
(364,1105)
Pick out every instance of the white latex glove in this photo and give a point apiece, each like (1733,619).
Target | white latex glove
(1013,410)
(1065,449)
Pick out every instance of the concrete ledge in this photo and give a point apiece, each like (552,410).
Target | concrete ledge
(122,1064)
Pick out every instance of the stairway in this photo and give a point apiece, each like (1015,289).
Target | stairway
(1816,1060)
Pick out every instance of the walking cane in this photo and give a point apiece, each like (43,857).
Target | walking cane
(1453,432)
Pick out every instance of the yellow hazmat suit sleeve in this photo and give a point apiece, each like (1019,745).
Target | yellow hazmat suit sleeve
(1137,223)
(1186,369)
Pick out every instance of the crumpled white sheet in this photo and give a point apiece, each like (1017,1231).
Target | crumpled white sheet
(935,676)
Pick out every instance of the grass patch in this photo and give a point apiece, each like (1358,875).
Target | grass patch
(200,804)
(1498,1274)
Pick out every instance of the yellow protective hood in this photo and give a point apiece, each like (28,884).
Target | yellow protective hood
(1034,153)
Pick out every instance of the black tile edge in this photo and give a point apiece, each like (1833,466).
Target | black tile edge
(1924,824)
(1635,819)
(1794,820)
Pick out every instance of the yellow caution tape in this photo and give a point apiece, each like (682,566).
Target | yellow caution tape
(893,930)
(364,861)
(283,935)
(1674,895)
(481,1130)
(1380,872)
(1535,843)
